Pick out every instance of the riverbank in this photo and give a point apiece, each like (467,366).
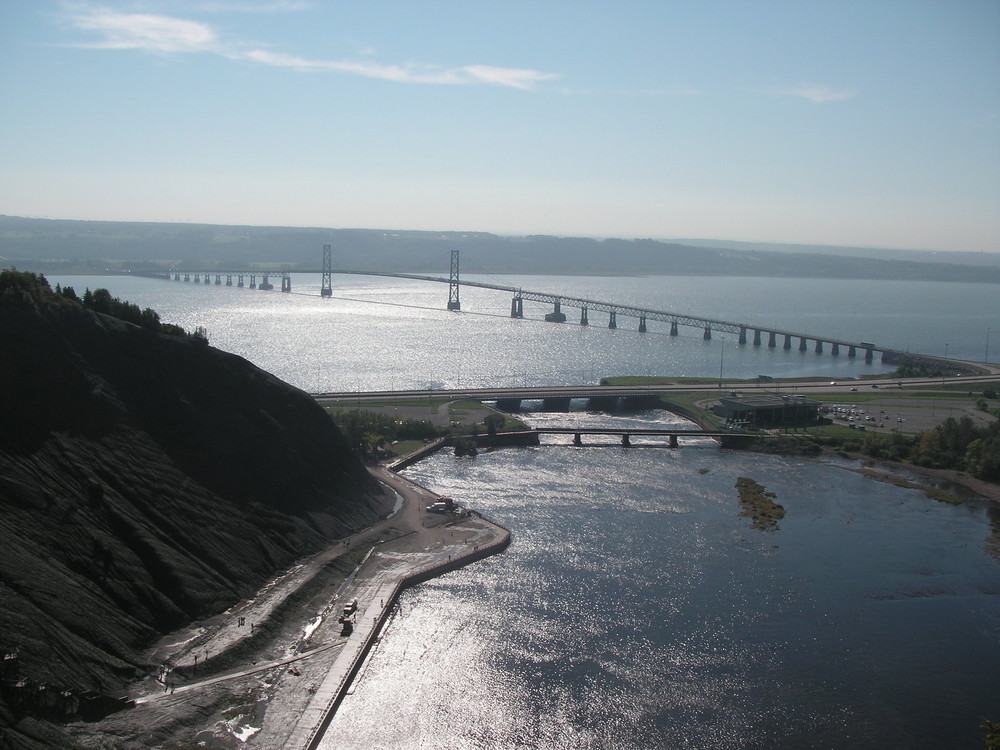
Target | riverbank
(270,671)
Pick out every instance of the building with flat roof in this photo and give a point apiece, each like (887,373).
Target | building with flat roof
(769,410)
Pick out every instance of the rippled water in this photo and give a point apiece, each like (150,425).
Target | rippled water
(636,608)
(378,333)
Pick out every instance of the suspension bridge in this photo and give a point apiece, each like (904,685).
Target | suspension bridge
(745,333)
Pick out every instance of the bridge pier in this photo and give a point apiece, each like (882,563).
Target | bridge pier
(208,279)
(625,441)
(803,344)
(577,440)
(743,335)
(602,403)
(187,277)
(642,324)
(197,278)
(517,307)
(218,279)
(555,404)
(756,337)
(612,321)
(253,281)
(673,328)
(835,349)
(788,342)
(583,317)
(869,355)
(673,441)
(265,285)
(771,342)
(819,346)
(286,282)
(509,405)
(239,282)
(852,351)
(177,277)
(229,279)
(557,315)
(707,336)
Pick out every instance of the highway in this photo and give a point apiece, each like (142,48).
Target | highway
(622,391)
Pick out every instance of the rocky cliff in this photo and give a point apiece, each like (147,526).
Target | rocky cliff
(146,480)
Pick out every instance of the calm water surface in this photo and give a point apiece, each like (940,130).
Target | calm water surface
(635,607)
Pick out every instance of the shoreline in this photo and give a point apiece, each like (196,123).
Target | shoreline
(986,490)
(282,665)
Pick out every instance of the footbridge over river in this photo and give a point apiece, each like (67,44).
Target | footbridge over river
(746,333)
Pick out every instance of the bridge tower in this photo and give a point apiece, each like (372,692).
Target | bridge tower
(326,286)
(453,303)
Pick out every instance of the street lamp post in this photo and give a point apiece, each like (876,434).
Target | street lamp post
(722,354)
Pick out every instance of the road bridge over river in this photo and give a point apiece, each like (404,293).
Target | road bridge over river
(746,333)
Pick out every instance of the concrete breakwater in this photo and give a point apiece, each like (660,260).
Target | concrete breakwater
(394,567)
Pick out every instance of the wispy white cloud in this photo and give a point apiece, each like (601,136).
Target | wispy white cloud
(166,34)
(144,31)
(814,92)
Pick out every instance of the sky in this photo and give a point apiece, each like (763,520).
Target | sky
(868,123)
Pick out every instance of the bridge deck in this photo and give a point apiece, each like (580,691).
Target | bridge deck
(613,309)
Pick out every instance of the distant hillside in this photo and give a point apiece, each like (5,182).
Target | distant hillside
(882,253)
(60,246)
(146,480)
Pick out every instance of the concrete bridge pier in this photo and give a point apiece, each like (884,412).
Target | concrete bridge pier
(517,307)
(265,284)
(286,282)
(869,355)
(673,441)
(197,278)
(583,317)
(577,440)
(509,405)
(803,344)
(187,277)
(852,351)
(177,277)
(756,337)
(642,324)
(819,346)
(208,279)
(253,281)
(607,404)
(239,281)
(788,342)
(771,339)
(612,320)
(835,349)
(743,335)
(557,315)
(229,279)
(218,279)
(555,404)
(707,336)
(673,328)
(625,441)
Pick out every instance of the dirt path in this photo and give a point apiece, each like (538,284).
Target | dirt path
(274,686)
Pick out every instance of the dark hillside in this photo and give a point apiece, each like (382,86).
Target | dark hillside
(146,480)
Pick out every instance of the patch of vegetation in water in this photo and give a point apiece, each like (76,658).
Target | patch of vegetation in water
(759,505)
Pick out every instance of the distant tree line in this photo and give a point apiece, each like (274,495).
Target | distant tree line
(954,444)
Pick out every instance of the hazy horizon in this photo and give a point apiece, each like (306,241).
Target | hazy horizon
(850,124)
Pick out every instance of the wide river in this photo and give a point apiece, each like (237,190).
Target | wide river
(635,607)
